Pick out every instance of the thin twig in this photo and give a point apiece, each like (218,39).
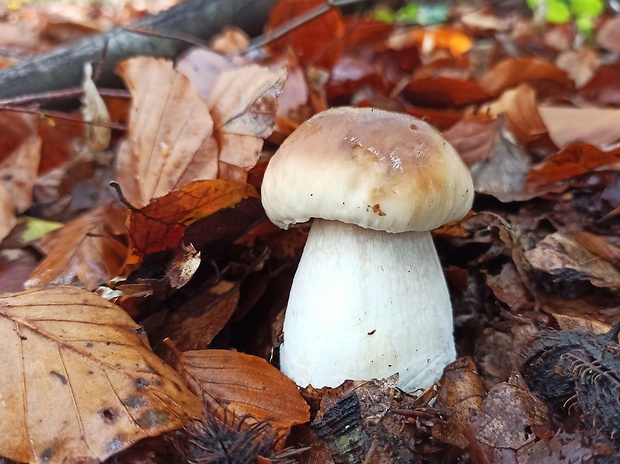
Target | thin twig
(63,94)
(122,198)
(64,116)
(296,22)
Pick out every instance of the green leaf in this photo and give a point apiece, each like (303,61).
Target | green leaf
(384,14)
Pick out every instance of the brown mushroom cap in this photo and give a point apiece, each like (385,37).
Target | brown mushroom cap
(377,169)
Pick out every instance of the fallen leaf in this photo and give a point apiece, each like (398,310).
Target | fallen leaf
(89,250)
(596,126)
(445,92)
(161,224)
(20,153)
(79,383)
(429,39)
(560,255)
(511,422)
(203,68)
(241,384)
(243,105)
(511,72)
(608,35)
(573,160)
(518,107)
(604,88)
(94,111)
(316,42)
(462,392)
(580,65)
(509,288)
(170,141)
(473,139)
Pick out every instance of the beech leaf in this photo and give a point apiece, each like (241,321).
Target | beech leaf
(240,384)
(86,250)
(170,141)
(161,225)
(79,384)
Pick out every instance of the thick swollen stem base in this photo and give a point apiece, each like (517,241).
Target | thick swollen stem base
(367,304)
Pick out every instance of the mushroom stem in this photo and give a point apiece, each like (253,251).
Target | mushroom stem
(366,304)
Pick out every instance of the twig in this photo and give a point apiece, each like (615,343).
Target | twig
(60,115)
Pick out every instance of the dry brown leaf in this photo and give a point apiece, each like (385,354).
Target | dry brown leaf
(7,213)
(94,110)
(241,384)
(608,35)
(89,249)
(203,67)
(562,256)
(20,153)
(597,126)
(243,106)
(79,384)
(514,71)
(579,64)
(511,422)
(461,391)
(170,142)
(519,108)
(473,139)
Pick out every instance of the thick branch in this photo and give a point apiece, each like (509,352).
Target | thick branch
(63,67)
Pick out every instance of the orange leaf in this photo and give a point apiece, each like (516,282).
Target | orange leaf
(451,39)
(86,249)
(161,224)
(573,160)
(514,71)
(241,384)
(317,42)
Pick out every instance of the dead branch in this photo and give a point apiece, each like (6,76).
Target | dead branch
(63,67)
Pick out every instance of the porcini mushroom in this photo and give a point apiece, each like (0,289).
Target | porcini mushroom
(369,298)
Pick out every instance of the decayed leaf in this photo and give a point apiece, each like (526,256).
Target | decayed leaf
(511,422)
(79,384)
(240,384)
(608,35)
(461,391)
(243,106)
(161,224)
(573,160)
(514,71)
(597,126)
(429,39)
(20,152)
(170,142)
(473,139)
(89,249)
(560,255)
(94,111)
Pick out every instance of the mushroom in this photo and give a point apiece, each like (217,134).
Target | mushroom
(369,298)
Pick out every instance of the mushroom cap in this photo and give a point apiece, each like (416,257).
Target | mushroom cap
(378,169)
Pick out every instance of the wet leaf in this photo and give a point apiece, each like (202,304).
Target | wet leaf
(241,384)
(79,383)
(170,141)
(87,251)
(161,224)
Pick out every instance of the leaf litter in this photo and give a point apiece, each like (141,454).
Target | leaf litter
(533,270)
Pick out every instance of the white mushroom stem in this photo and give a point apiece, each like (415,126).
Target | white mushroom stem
(366,304)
